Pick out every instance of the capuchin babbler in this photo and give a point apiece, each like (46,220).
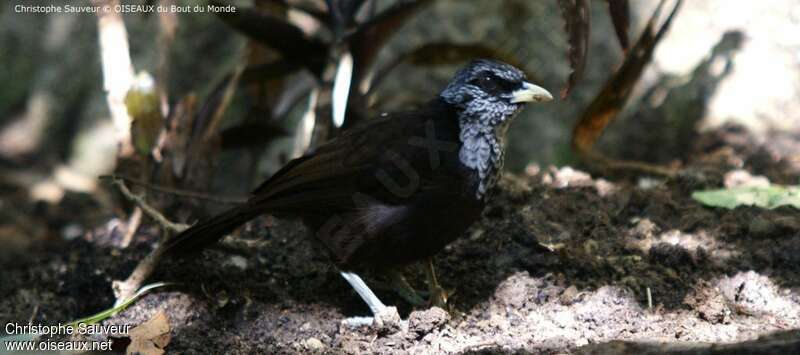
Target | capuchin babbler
(397,188)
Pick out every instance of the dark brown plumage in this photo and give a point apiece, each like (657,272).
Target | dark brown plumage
(338,186)
(398,188)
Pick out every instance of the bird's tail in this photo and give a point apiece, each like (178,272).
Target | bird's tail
(208,232)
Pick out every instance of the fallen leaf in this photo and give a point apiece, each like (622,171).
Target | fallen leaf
(151,337)
(764,197)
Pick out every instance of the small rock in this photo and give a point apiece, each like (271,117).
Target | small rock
(754,294)
(515,290)
(421,323)
(238,261)
(647,183)
(387,321)
(71,231)
(605,188)
(742,178)
(644,229)
(709,304)
(314,344)
(569,295)
(567,176)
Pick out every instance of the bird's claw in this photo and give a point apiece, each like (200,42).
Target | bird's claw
(356,322)
(385,320)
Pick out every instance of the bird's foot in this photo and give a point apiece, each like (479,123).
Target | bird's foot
(438,297)
(385,320)
(357,322)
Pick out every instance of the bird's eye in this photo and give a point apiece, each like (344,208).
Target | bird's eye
(486,82)
(489,83)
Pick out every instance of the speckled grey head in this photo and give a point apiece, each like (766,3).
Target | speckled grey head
(491,92)
(488,94)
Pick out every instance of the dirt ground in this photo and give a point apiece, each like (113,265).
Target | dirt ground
(560,263)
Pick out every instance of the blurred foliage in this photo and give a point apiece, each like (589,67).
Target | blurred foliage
(246,92)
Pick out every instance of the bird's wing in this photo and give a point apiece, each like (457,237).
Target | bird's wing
(337,170)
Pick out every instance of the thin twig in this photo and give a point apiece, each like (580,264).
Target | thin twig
(178,192)
(124,290)
(133,225)
(600,161)
(147,209)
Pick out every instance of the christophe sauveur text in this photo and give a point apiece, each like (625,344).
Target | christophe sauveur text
(122,8)
(65,329)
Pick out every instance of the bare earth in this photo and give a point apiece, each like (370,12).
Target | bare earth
(560,263)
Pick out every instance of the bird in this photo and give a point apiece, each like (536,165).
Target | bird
(395,189)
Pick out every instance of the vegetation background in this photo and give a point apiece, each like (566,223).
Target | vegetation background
(717,106)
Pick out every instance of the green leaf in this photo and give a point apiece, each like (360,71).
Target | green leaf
(764,197)
(112,311)
(143,103)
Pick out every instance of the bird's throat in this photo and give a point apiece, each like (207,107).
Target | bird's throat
(482,150)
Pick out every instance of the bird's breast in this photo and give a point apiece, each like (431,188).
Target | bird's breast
(482,153)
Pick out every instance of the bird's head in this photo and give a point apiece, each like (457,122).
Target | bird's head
(491,92)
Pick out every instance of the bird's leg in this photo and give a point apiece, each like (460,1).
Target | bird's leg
(379,310)
(403,288)
(438,296)
(375,304)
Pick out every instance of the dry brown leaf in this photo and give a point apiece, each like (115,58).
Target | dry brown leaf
(609,102)
(576,22)
(151,337)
